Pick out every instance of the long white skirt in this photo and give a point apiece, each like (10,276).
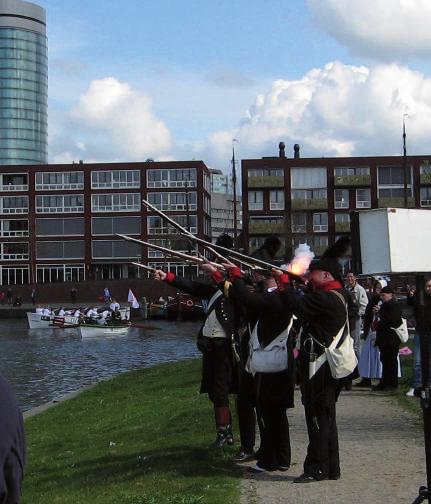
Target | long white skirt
(369,365)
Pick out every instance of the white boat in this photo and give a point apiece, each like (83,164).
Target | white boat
(90,330)
(39,321)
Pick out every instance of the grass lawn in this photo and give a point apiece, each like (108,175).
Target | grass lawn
(140,438)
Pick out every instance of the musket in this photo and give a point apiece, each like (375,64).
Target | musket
(179,228)
(175,225)
(190,235)
(253,260)
(144,266)
(175,253)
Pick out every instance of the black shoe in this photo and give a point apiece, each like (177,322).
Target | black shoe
(335,476)
(224,437)
(310,478)
(417,392)
(283,468)
(243,456)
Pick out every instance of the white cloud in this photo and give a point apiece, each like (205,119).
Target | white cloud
(110,122)
(338,110)
(388,30)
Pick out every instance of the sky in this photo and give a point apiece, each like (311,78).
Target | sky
(181,79)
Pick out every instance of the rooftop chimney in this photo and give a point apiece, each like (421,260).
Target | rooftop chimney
(281,147)
(296,151)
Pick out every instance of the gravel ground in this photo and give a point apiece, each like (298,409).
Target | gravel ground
(381,450)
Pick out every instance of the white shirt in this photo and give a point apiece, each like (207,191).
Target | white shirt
(61,312)
(114,306)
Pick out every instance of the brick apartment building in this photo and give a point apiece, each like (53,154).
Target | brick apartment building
(58,223)
(310,199)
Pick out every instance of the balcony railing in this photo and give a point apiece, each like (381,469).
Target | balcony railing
(395,202)
(63,209)
(17,210)
(276,206)
(363,204)
(309,204)
(342,227)
(341,204)
(14,257)
(15,187)
(270,181)
(352,180)
(60,187)
(320,228)
(256,227)
(10,234)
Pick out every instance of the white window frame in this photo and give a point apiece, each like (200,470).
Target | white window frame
(172,184)
(112,206)
(12,234)
(255,205)
(68,186)
(276,204)
(340,203)
(175,207)
(115,181)
(13,257)
(42,209)
(320,228)
(13,209)
(362,203)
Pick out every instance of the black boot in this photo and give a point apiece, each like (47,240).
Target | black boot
(224,437)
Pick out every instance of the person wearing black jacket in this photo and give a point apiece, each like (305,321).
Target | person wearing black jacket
(413,300)
(323,314)
(12,446)
(217,341)
(274,391)
(389,316)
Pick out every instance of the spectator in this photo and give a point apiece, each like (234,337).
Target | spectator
(388,311)
(106,295)
(9,295)
(12,446)
(33,296)
(73,294)
(2,297)
(412,300)
(361,300)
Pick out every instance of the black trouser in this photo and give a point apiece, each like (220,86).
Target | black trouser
(274,448)
(322,452)
(245,409)
(217,371)
(389,360)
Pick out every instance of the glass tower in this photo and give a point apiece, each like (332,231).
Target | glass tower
(23,83)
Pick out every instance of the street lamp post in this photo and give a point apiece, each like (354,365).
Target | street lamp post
(405,160)
(235,223)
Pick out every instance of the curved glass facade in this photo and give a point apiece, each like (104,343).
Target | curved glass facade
(23,84)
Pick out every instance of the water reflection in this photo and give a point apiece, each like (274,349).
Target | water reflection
(45,364)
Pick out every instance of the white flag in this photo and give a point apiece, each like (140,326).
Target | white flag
(132,299)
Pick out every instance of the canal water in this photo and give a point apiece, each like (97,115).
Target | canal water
(44,364)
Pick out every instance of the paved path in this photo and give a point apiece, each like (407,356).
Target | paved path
(381,450)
